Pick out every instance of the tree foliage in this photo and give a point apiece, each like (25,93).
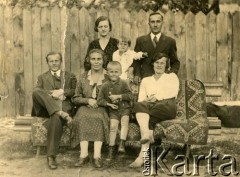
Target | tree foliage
(185,6)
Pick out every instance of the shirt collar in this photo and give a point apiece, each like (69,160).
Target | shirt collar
(101,78)
(58,72)
(158,36)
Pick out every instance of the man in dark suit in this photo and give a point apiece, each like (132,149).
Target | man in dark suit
(153,43)
(52,99)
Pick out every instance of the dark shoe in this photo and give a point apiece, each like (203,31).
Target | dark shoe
(110,153)
(52,162)
(82,161)
(97,163)
(121,147)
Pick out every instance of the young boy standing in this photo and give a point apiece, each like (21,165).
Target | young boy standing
(116,96)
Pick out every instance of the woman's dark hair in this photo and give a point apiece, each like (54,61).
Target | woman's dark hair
(102,18)
(158,56)
(54,53)
(87,61)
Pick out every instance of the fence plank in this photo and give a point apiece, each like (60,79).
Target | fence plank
(222,51)
(190,46)
(74,40)
(201,49)
(18,55)
(83,38)
(2,59)
(212,47)
(134,28)
(235,87)
(46,32)
(230,40)
(28,77)
(115,19)
(37,48)
(91,23)
(56,29)
(125,23)
(142,23)
(67,55)
(102,12)
(180,32)
(169,24)
(9,57)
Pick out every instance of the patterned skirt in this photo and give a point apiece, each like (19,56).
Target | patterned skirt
(90,125)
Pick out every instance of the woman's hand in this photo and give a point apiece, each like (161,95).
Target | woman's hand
(151,98)
(92,103)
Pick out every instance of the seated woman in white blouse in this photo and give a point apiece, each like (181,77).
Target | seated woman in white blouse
(156,101)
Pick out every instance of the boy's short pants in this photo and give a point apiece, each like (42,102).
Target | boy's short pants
(119,113)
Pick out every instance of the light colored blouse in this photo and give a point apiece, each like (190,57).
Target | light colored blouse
(167,86)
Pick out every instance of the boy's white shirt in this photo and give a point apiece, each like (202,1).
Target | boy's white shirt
(126,60)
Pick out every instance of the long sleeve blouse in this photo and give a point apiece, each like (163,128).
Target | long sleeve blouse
(167,86)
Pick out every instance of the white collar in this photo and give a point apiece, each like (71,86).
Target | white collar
(58,72)
(158,36)
(101,78)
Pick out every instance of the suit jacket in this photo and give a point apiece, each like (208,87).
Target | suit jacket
(68,83)
(167,45)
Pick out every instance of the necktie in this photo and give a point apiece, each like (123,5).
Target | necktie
(56,76)
(155,41)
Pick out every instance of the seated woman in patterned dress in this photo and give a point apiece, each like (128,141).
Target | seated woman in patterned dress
(156,101)
(91,121)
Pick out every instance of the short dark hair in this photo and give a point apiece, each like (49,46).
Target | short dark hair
(160,55)
(54,53)
(155,13)
(87,61)
(102,18)
(114,63)
(124,39)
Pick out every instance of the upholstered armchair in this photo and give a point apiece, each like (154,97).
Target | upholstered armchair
(190,125)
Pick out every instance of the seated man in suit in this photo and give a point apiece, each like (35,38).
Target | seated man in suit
(152,43)
(52,99)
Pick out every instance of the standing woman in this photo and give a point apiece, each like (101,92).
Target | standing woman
(105,42)
(91,121)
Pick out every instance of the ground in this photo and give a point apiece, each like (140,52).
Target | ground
(17,158)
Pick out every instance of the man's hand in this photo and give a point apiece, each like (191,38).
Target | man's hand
(113,106)
(115,98)
(145,54)
(92,103)
(58,94)
(136,79)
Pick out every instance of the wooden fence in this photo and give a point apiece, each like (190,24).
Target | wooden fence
(208,46)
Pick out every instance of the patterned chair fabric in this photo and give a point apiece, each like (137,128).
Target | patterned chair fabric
(191,124)
(39,133)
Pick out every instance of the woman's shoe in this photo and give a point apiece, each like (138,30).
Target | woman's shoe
(97,163)
(82,161)
(137,163)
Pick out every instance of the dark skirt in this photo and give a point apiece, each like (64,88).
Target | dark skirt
(90,125)
(158,111)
